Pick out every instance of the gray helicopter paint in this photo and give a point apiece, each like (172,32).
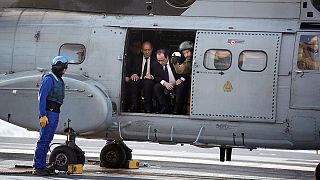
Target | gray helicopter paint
(253,94)
(238,9)
(216,8)
(20,90)
(284,76)
(172,129)
(237,24)
(304,13)
(100,78)
(138,7)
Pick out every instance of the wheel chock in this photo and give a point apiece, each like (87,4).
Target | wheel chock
(133,164)
(75,169)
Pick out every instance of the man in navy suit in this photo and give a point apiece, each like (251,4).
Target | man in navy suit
(142,79)
(166,80)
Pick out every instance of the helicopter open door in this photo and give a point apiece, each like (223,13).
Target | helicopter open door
(306,72)
(235,76)
(107,46)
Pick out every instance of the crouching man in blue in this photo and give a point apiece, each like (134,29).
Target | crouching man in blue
(50,98)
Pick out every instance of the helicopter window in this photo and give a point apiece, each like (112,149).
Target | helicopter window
(255,61)
(308,53)
(217,59)
(74,52)
(316,4)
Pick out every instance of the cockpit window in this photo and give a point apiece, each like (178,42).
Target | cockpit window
(217,59)
(308,53)
(251,60)
(316,4)
(180,3)
(74,52)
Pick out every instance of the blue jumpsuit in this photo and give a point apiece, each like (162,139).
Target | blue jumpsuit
(46,133)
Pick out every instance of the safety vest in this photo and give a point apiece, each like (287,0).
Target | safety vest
(57,92)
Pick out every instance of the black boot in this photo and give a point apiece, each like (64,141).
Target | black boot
(177,108)
(164,109)
(43,172)
(51,169)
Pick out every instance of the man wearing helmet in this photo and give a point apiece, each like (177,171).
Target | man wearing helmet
(183,70)
(186,49)
(50,98)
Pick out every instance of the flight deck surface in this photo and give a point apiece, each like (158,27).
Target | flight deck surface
(167,162)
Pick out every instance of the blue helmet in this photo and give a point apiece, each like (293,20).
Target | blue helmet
(57,59)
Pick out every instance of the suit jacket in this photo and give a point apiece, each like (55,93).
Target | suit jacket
(136,67)
(129,63)
(159,73)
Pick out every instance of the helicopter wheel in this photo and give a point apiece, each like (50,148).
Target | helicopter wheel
(317,172)
(112,156)
(81,159)
(127,150)
(61,157)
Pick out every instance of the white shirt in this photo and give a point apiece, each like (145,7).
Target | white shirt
(148,67)
(172,80)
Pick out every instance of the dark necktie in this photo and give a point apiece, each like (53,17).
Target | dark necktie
(166,73)
(166,78)
(145,68)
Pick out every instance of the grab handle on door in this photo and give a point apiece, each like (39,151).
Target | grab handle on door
(300,72)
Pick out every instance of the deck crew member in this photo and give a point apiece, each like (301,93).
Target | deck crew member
(50,98)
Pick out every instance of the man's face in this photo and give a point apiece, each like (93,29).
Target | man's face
(146,50)
(187,54)
(162,59)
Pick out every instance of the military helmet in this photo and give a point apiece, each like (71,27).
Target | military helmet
(186,45)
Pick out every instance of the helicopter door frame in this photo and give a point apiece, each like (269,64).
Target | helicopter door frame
(305,80)
(233,93)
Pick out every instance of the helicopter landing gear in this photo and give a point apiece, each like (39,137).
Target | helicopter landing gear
(223,152)
(115,155)
(68,153)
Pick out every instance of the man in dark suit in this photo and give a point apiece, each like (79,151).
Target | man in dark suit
(142,78)
(167,80)
(133,53)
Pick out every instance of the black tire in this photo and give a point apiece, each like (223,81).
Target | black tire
(317,172)
(61,157)
(112,156)
(128,153)
(81,159)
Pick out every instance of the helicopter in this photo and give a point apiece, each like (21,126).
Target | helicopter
(265,93)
